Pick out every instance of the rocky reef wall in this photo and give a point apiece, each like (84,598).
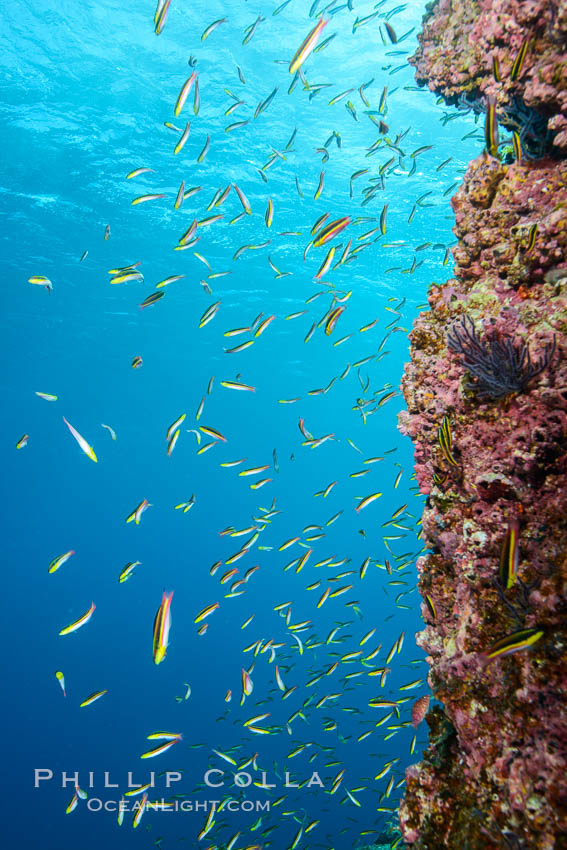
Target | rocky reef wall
(468,49)
(495,773)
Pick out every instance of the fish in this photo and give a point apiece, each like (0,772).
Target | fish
(209,314)
(136,173)
(445,440)
(307,46)
(247,684)
(359,22)
(212,27)
(151,299)
(430,606)
(73,804)
(110,430)
(263,325)
(509,556)
(237,385)
(172,442)
(517,146)
(142,806)
(60,560)
(242,347)
(330,231)
(516,642)
(326,264)
(159,750)
(183,139)
(250,30)
(196,98)
(209,219)
(88,450)
(281,7)
(128,570)
(235,126)
(162,624)
(518,65)
(180,196)
(265,103)
(77,624)
(135,791)
(421,150)
(61,679)
(92,698)
(206,612)
(491,127)
(186,506)
(352,109)
(236,332)
(136,514)
(333,319)
(160,16)
(531,238)
(143,198)
(212,432)
(174,426)
(124,276)
(340,97)
(243,199)
(367,500)
(391,32)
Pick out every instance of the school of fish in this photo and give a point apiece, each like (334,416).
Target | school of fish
(296,683)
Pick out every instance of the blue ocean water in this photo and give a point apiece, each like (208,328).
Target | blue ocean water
(86,89)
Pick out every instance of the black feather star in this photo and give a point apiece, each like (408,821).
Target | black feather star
(498,366)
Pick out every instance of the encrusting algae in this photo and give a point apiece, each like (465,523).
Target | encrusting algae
(491,455)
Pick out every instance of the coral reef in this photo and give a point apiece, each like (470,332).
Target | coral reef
(495,771)
(462,39)
(494,775)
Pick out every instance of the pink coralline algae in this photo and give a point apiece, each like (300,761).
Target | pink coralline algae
(494,775)
(467,44)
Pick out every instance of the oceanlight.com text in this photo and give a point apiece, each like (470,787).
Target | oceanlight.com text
(95,804)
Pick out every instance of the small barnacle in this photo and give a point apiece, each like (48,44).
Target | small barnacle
(498,366)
